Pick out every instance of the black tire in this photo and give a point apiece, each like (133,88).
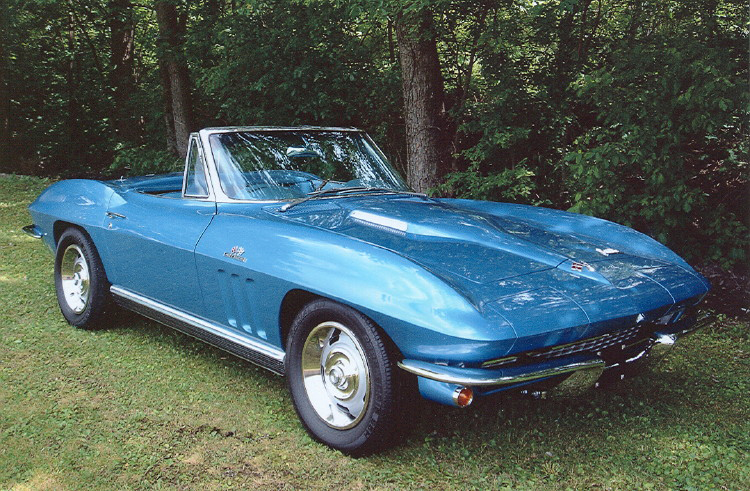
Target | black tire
(338,337)
(85,308)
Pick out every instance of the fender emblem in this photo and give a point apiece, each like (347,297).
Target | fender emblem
(236,253)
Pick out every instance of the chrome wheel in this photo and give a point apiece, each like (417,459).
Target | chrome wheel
(343,382)
(336,376)
(75,278)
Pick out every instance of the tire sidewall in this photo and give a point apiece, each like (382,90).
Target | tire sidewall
(373,429)
(97,280)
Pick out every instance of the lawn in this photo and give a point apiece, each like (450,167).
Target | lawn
(137,405)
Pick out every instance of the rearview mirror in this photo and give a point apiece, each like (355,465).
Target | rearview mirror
(296,152)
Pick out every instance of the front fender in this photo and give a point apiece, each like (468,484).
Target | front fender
(425,317)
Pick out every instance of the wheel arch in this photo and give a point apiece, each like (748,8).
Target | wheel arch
(295,300)
(76,202)
(96,297)
(60,226)
(372,422)
(291,304)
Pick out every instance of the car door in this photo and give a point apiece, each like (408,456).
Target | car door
(152,238)
(230,259)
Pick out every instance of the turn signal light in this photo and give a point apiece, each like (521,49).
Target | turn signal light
(463,396)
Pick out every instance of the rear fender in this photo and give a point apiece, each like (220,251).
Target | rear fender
(79,202)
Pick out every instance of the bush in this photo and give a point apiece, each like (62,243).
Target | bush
(667,155)
(138,161)
(514,185)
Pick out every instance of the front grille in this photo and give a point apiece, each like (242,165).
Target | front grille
(595,345)
(610,343)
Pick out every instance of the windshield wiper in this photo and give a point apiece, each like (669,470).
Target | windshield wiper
(312,195)
(346,191)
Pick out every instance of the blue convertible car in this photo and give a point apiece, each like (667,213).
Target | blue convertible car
(302,250)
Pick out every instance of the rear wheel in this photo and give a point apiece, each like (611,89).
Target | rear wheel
(342,379)
(80,281)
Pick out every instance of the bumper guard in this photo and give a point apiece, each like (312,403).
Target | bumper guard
(33,231)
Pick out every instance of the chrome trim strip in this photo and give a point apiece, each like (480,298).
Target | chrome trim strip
(434,372)
(251,344)
(33,231)
(701,322)
(664,340)
(381,221)
(667,340)
(217,192)
(668,335)
(230,129)
(202,154)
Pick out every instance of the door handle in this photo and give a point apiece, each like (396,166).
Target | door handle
(111,214)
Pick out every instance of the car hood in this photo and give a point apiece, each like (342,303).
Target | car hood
(489,258)
(460,242)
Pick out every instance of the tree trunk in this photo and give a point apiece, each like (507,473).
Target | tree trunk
(4,92)
(214,7)
(122,77)
(427,144)
(73,128)
(175,75)
(168,115)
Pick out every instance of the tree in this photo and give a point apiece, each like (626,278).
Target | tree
(122,45)
(4,92)
(630,110)
(73,78)
(175,76)
(427,144)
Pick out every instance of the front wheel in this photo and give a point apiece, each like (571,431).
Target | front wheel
(342,379)
(80,280)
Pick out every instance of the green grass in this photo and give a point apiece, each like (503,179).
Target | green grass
(138,405)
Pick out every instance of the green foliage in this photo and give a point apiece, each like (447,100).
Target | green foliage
(513,185)
(670,122)
(312,63)
(643,125)
(636,111)
(143,160)
(60,94)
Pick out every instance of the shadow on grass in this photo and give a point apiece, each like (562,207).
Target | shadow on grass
(131,323)
(656,397)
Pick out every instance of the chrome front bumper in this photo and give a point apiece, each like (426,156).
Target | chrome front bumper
(583,371)
(657,347)
(481,377)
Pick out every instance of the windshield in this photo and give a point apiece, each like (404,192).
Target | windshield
(281,165)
